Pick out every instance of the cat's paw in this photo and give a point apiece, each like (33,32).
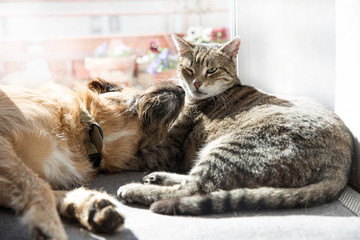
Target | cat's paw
(135,193)
(164,178)
(156,178)
(97,211)
(166,207)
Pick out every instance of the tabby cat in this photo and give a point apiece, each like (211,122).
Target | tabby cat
(241,148)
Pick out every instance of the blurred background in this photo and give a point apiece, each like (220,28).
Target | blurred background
(70,41)
(289,47)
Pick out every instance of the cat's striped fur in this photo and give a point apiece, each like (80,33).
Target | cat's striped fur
(241,147)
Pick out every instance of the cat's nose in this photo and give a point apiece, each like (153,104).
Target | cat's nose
(197,84)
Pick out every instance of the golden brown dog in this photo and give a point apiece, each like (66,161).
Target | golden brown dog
(58,139)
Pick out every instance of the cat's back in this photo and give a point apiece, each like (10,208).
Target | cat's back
(245,110)
(272,134)
(295,114)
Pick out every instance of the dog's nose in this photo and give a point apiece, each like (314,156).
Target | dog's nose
(197,84)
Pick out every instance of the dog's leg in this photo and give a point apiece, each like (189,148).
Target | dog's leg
(28,194)
(4,196)
(97,211)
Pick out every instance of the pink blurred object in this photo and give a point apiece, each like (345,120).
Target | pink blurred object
(117,69)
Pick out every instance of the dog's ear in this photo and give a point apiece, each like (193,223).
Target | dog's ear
(101,86)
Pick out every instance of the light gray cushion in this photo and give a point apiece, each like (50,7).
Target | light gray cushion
(329,221)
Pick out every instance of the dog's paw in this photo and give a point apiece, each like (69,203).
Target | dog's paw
(135,193)
(39,234)
(44,223)
(42,233)
(97,211)
(104,217)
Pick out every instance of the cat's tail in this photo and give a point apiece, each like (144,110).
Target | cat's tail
(246,198)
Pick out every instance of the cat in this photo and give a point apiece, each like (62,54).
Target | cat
(241,148)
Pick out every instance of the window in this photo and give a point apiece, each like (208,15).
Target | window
(126,40)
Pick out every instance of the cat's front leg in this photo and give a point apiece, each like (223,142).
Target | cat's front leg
(147,194)
(97,211)
(165,178)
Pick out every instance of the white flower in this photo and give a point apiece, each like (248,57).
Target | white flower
(193,33)
(206,34)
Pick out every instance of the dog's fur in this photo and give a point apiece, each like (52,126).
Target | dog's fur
(42,147)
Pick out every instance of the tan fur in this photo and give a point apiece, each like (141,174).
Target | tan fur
(42,145)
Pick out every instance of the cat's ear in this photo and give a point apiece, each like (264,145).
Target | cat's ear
(231,48)
(181,45)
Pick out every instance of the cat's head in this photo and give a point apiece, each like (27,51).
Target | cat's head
(206,70)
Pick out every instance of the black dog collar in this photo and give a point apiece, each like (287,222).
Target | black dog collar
(95,145)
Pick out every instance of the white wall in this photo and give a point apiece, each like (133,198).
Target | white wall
(347,97)
(288,47)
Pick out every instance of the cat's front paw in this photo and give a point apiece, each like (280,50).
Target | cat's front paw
(135,193)
(164,178)
(156,178)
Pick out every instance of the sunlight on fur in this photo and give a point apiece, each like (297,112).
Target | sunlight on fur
(49,147)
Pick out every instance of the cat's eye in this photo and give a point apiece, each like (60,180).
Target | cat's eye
(212,70)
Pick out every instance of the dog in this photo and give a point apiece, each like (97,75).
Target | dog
(55,139)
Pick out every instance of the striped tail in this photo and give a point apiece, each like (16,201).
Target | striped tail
(246,198)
